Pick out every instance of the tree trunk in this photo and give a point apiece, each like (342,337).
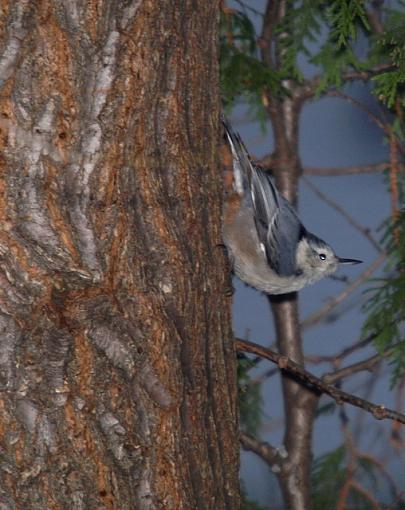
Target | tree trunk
(117,367)
(300,403)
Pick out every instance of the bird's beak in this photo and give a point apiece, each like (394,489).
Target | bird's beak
(349,261)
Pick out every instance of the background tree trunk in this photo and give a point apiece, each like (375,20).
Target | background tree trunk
(117,367)
(300,403)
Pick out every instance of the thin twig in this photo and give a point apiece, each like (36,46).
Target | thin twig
(365,493)
(367,364)
(339,298)
(263,377)
(347,351)
(352,221)
(349,170)
(385,127)
(317,384)
(336,359)
(390,480)
(341,95)
(268,162)
(249,8)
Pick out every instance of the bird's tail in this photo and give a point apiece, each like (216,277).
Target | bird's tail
(242,167)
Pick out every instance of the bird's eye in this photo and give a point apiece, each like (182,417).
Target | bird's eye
(322,256)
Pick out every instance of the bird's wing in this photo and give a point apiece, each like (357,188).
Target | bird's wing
(277,224)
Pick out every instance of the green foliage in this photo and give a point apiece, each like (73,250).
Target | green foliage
(328,475)
(344,17)
(250,412)
(241,71)
(300,25)
(334,63)
(385,307)
(388,86)
(244,74)
(331,471)
(337,54)
(249,397)
(327,34)
(390,48)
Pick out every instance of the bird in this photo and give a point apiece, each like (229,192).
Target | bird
(268,246)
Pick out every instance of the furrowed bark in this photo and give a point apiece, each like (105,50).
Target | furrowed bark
(117,366)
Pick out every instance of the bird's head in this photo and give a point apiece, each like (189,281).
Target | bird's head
(316,259)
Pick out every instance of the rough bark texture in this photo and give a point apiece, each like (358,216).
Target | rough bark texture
(117,368)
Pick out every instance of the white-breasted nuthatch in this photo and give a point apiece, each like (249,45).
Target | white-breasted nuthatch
(268,246)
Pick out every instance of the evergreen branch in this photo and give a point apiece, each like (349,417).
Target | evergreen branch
(318,385)
(368,73)
(309,89)
(339,298)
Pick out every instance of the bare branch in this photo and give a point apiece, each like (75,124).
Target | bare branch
(264,450)
(374,16)
(269,22)
(339,298)
(338,358)
(318,385)
(263,377)
(384,126)
(394,188)
(367,364)
(352,221)
(341,95)
(351,170)
(268,162)
(365,493)
(246,7)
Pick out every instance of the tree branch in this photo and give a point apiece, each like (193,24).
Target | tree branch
(268,161)
(374,16)
(318,385)
(339,298)
(264,450)
(351,170)
(309,88)
(338,358)
(384,126)
(367,364)
(341,95)
(352,221)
